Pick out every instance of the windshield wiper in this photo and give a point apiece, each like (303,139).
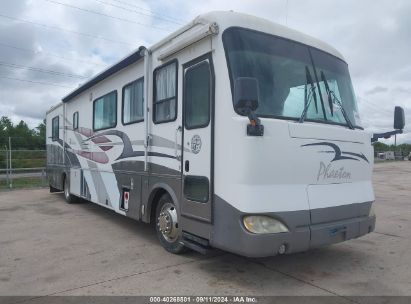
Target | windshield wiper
(307,98)
(327,88)
(333,98)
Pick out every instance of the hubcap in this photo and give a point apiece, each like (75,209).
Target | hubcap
(167,222)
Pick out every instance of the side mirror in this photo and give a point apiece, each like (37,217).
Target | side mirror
(399,123)
(246,95)
(399,118)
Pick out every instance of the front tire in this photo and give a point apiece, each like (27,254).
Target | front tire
(167,225)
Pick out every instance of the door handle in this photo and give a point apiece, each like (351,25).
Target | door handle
(187,166)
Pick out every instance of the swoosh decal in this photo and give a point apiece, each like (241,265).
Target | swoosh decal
(339,155)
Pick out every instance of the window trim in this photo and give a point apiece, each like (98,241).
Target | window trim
(122,102)
(203,60)
(94,108)
(197,177)
(74,121)
(154,102)
(58,128)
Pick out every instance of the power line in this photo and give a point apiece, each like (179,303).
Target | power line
(48,54)
(66,30)
(17,66)
(137,12)
(105,15)
(367,102)
(150,11)
(371,105)
(37,82)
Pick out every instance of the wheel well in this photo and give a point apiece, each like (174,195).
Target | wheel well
(154,202)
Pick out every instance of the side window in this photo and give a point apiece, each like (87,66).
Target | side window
(133,102)
(75,120)
(197,96)
(105,112)
(165,93)
(55,128)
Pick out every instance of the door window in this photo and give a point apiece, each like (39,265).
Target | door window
(197,96)
(196,188)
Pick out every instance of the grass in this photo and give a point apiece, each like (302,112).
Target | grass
(24,182)
(25,163)
(24,159)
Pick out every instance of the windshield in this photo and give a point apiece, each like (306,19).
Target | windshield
(281,66)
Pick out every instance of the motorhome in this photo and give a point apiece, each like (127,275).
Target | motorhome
(232,132)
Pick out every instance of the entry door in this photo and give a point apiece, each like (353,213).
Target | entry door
(197,160)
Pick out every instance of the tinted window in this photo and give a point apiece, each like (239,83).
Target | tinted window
(133,102)
(105,111)
(165,93)
(75,120)
(55,128)
(289,75)
(197,96)
(196,188)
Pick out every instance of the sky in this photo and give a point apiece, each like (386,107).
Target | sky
(49,47)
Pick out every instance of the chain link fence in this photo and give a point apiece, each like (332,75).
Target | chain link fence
(22,168)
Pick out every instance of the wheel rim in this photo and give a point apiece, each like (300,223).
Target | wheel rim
(167,222)
(66,189)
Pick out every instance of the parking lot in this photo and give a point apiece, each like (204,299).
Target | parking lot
(48,247)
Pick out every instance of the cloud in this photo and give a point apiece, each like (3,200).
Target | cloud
(376,90)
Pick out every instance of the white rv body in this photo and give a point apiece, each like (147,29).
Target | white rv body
(313,177)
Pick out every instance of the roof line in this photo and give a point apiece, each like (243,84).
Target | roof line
(128,60)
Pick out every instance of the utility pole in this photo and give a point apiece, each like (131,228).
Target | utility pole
(11,176)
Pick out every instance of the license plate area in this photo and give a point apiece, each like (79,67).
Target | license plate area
(333,233)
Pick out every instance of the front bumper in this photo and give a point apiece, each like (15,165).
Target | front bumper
(230,235)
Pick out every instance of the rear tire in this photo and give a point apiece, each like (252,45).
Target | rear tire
(67,196)
(167,225)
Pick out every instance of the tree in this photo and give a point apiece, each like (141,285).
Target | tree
(40,135)
(6,129)
(22,136)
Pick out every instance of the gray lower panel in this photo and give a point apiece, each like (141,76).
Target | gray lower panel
(196,227)
(55,176)
(335,232)
(130,175)
(228,232)
(337,213)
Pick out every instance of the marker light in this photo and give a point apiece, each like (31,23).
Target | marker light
(261,224)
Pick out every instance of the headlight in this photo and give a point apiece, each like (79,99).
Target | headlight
(263,224)
(372,211)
